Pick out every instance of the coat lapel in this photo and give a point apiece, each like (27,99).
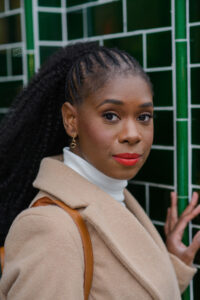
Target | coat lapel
(127,232)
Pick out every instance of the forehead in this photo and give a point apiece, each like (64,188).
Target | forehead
(124,88)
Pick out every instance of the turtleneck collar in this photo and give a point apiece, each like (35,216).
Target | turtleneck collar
(114,187)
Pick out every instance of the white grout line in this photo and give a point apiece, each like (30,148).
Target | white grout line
(4,110)
(64,21)
(11,78)
(125,18)
(90,4)
(194,105)
(162,147)
(144,51)
(36,34)
(50,9)
(194,146)
(161,108)
(182,119)
(10,46)
(6,5)
(11,12)
(158,222)
(85,25)
(158,69)
(194,24)
(24,50)
(195,186)
(194,65)
(147,199)
(151,184)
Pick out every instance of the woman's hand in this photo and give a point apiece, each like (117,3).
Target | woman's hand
(174,229)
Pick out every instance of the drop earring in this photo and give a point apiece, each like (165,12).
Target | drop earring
(73,143)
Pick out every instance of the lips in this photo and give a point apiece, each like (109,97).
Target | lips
(127,159)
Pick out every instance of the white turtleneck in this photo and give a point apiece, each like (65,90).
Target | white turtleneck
(114,187)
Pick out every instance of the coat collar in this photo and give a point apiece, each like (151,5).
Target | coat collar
(126,231)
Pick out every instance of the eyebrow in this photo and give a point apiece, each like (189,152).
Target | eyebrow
(112,101)
(119,102)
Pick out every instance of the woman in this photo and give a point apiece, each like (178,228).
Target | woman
(107,109)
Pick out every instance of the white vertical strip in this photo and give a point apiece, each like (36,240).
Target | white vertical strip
(174,87)
(6,5)
(85,23)
(24,54)
(64,22)
(147,199)
(36,34)
(9,62)
(144,53)
(124,10)
(101,42)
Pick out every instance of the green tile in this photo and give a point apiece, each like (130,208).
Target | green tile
(13,4)
(2,7)
(3,63)
(159,49)
(77,2)
(196,285)
(162,86)
(195,126)
(75,24)
(159,201)
(163,128)
(49,3)
(50,27)
(132,44)
(194,9)
(105,19)
(17,61)
(138,191)
(196,220)
(142,14)
(10,29)
(46,51)
(158,168)
(160,229)
(196,166)
(195,92)
(195,44)
(8,91)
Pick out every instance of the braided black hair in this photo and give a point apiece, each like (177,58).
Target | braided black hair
(33,127)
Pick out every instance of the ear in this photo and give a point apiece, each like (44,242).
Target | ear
(69,115)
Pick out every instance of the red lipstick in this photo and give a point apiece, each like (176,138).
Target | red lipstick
(127,159)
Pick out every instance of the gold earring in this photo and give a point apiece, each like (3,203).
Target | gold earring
(73,143)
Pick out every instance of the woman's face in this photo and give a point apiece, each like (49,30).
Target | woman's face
(115,127)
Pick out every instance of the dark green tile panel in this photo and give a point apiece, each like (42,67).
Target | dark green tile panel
(50,27)
(16,57)
(197,257)
(2,7)
(163,128)
(54,3)
(160,230)
(195,91)
(159,49)
(142,14)
(162,86)
(75,24)
(196,285)
(158,168)
(77,2)
(194,9)
(196,220)
(159,200)
(138,191)
(195,44)
(196,166)
(1,116)
(13,4)
(3,63)
(105,18)
(10,29)
(46,51)
(8,91)
(132,44)
(195,126)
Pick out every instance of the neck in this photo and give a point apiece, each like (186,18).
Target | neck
(114,187)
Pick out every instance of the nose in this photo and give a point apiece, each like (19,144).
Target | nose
(130,133)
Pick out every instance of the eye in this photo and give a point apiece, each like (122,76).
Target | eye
(110,116)
(145,117)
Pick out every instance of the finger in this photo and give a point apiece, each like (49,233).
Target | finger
(194,247)
(167,222)
(174,212)
(184,220)
(192,204)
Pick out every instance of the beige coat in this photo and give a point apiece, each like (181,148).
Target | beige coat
(44,256)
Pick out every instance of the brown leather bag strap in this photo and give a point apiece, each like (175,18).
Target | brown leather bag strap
(85,237)
(2,258)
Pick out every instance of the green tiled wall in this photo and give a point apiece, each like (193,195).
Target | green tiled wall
(143,28)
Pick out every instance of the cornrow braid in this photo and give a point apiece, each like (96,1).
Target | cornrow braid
(33,127)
